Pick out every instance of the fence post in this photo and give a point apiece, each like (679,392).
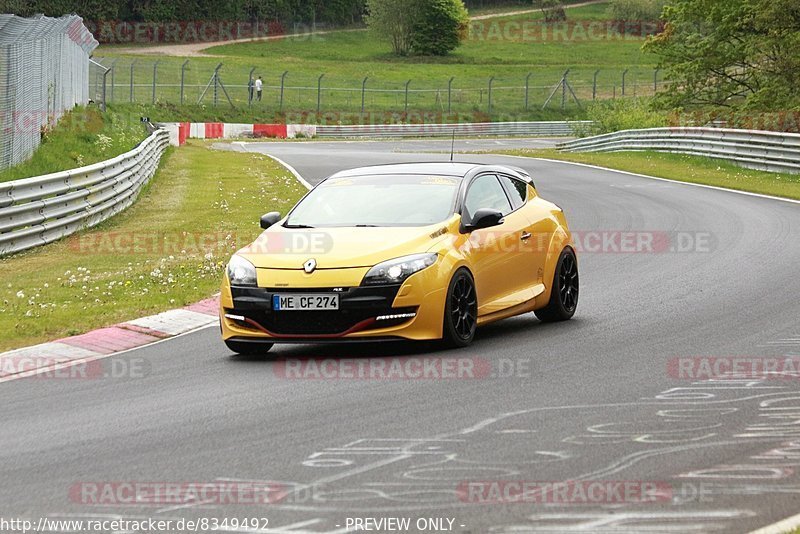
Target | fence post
(450,95)
(407,84)
(283,84)
(133,63)
(250,83)
(183,77)
(594,85)
(564,90)
(655,80)
(364,94)
(155,75)
(113,69)
(491,82)
(527,90)
(624,74)
(319,92)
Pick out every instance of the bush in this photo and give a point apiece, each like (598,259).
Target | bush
(552,10)
(439,27)
(623,114)
(636,10)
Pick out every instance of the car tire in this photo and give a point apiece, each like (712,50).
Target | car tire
(460,311)
(564,294)
(248,349)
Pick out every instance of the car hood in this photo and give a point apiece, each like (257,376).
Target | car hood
(338,248)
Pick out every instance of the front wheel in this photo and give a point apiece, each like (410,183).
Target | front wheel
(564,293)
(248,349)
(460,311)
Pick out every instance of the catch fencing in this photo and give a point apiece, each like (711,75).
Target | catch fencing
(44,71)
(39,210)
(206,81)
(754,149)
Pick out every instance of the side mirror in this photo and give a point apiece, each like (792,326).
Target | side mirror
(484,218)
(269,219)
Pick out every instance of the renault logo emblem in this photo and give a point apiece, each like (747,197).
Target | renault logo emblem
(310,266)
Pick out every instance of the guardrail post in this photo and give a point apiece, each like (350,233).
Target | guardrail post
(407,84)
(283,84)
(319,93)
(594,85)
(155,75)
(133,63)
(183,77)
(527,90)
(364,94)
(491,83)
(624,74)
(450,95)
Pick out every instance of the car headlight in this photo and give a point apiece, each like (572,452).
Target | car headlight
(397,270)
(241,272)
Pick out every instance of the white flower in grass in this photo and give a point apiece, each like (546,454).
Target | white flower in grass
(20,295)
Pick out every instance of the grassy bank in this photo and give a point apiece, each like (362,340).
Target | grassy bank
(166,251)
(683,168)
(82,137)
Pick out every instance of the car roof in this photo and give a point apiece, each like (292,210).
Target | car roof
(453,169)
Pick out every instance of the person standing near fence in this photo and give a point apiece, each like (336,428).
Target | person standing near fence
(259,88)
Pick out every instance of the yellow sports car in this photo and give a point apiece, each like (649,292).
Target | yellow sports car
(424,251)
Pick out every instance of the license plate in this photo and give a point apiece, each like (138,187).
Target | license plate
(301,302)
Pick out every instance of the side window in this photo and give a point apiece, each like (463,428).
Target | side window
(517,188)
(486,192)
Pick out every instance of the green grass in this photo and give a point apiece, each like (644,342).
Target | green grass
(347,57)
(82,137)
(166,251)
(683,168)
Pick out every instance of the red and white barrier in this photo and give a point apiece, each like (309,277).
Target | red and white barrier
(179,132)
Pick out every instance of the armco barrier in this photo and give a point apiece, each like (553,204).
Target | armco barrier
(484,129)
(180,131)
(754,149)
(39,210)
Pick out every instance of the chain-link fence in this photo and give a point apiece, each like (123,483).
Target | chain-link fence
(192,82)
(44,71)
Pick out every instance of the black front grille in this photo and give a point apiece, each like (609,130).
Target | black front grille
(355,306)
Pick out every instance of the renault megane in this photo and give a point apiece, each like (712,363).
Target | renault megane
(425,251)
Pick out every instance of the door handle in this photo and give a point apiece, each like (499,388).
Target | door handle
(525,236)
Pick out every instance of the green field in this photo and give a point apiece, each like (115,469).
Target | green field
(499,47)
(166,251)
(682,168)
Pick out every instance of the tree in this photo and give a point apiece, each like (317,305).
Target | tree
(731,53)
(425,27)
(393,20)
(440,27)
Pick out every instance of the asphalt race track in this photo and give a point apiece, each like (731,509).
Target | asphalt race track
(593,399)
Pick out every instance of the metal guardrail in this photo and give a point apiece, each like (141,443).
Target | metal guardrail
(39,210)
(754,149)
(487,129)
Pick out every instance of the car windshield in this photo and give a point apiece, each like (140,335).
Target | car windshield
(386,200)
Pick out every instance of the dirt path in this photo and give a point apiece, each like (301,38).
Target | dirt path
(196,49)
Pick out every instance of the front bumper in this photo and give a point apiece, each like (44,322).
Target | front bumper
(374,313)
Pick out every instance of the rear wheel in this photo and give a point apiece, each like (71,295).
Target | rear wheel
(564,293)
(460,311)
(248,349)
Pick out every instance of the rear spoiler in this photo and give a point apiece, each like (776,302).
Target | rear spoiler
(524,174)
